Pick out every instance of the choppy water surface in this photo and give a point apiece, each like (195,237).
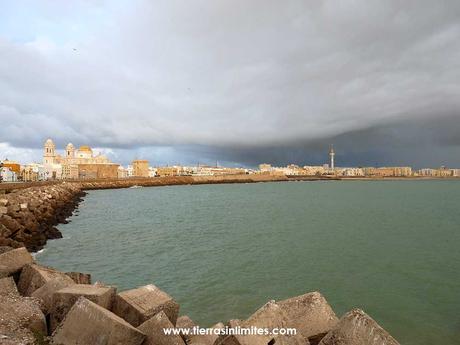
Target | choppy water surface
(390,247)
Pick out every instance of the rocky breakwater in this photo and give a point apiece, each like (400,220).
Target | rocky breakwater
(28,216)
(41,305)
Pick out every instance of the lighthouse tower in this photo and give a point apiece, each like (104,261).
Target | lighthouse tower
(49,152)
(331,156)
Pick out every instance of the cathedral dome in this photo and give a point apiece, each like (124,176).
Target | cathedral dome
(69,146)
(85,148)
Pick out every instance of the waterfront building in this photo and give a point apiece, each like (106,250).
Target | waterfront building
(315,170)
(455,172)
(351,172)
(265,168)
(140,168)
(428,172)
(78,163)
(122,172)
(168,171)
(12,166)
(33,172)
(7,175)
(152,172)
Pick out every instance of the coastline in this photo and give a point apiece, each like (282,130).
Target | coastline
(190,180)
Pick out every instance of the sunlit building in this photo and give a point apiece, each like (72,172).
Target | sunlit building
(78,163)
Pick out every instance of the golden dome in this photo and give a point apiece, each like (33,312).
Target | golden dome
(85,148)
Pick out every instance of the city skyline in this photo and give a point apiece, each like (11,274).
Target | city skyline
(111,154)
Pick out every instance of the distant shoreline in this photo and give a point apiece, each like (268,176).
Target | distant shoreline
(193,180)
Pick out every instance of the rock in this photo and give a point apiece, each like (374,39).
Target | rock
(358,328)
(3,210)
(34,276)
(89,323)
(4,249)
(14,260)
(46,291)
(138,305)
(3,202)
(80,278)
(65,298)
(185,322)
(8,286)
(24,206)
(310,314)
(21,319)
(154,328)
(268,317)
(209,338)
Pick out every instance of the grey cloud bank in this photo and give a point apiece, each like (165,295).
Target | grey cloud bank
(235,81)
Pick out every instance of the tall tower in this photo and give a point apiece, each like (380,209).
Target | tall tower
(49,152)
(70,151)
(331,156)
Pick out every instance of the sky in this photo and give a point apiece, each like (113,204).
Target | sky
(233,81)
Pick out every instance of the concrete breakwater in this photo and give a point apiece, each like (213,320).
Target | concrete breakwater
(41,305)
(28,217)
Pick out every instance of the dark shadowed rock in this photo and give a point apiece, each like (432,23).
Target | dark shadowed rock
(89,323)
(80,278)
(358,328)
(138,305)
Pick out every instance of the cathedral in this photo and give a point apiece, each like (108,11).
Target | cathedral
(76,164)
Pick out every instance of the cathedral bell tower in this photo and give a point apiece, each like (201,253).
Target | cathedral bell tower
(49,152)
(70,151)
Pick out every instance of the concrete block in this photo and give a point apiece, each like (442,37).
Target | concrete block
(207,339)
(34,276)
(138,305)
(89,323)
(4,249)
(185,322)
(269,316)
(46,291)
(20,318)
(357,328)
(8,286)
(154,328)
(65,298)
(14,260)
(310,314)
(80,278)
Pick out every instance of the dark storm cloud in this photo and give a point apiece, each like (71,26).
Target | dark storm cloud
(235,81)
